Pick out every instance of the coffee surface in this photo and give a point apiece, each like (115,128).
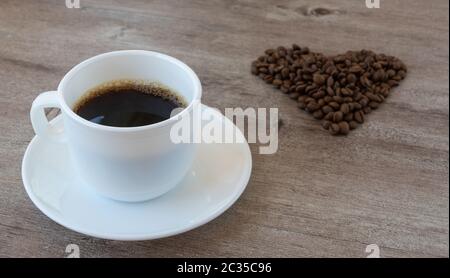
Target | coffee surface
(128,104)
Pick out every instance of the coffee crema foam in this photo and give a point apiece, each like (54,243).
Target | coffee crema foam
(143,86)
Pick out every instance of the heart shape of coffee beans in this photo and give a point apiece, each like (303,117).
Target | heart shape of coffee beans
(339,90)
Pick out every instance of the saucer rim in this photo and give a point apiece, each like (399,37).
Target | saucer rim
(53,215)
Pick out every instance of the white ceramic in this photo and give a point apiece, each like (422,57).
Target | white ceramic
(126,164)
(218,176)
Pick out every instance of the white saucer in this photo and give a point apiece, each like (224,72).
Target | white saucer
(218,176)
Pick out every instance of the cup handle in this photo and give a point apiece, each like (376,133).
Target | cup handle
(41,125)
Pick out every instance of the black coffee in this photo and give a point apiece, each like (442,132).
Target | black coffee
(128,103)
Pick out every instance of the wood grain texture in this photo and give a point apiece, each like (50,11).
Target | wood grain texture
(318,196)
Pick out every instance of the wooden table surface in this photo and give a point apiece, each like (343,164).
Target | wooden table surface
(318,196)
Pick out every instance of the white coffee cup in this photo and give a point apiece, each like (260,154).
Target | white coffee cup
(123,163)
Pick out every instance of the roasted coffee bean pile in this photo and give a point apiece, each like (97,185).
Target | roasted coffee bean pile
(340,90)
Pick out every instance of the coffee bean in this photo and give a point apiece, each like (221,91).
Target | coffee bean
(321,102)
(334,129)
(327,109)
(359,116)
(292,89)
(263,70)
(305,50)
(262,65)
(390,73)
(348,117)
(373,97)
(326,124)
(346,92)
(318,79)
(318,114)
(378,75)
(373,105)
(270,51)
(330,81)
(285,73)
(364,101)
(338,99)
(351,78)
(345,108)
(300,88)
(393,83)
(295,47)
(330,91)
(367,110)
(338,116)
(353,124)
(356,106)
(319,94)
(292,76)
(344,128)
(277,83)
(311,89)
(312,106)
(401,74)
(268,78)
(329,116)
(347,99)
(328,99)
(357,96)
(309,99)
(355,69)
(351,106)
(334,105)
(302,98)
(397,65)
